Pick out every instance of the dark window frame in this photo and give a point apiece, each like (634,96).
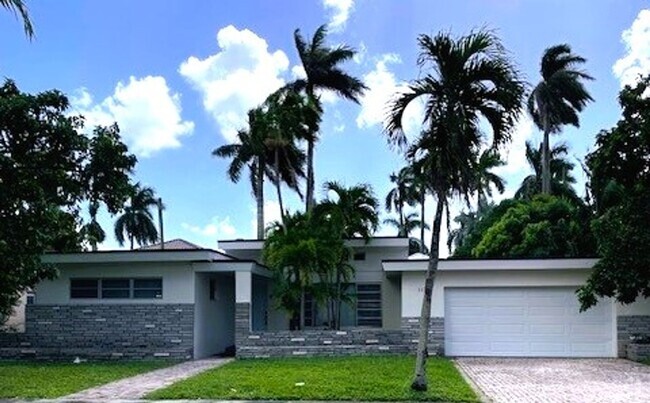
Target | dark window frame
(133,291)
(369,305)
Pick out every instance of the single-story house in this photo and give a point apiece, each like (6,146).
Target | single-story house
(184,301)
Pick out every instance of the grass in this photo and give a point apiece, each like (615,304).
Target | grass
(349,378)
(50,380)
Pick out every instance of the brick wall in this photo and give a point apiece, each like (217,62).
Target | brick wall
(330,342)
(638,352)
(629,326)
(103,331)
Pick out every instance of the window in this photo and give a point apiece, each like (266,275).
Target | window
(369,305)
(31,298)
(122,288)
(116,288)
(84,288)
(147,288)
(359,255)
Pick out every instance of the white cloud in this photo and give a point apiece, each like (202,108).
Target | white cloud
(148,113)
(340,12)
(636,61)
(216,228)
(361,53)
(237,78)
(339,128)
(271,214)
(382,87)
(514,153)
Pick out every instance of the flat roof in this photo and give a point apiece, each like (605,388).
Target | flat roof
(419,265)
(142,255)
(381,241)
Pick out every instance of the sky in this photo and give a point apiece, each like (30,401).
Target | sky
(179,76)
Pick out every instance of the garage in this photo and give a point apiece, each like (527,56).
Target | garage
(525,322)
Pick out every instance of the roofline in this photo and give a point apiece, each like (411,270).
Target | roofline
(420,265)
(474,259)
(347,239)
(257,244)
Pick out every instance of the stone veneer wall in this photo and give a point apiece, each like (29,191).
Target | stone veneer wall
(103,331)
(629,326)
(638,352)
(329,342)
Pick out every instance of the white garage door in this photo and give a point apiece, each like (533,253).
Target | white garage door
(525,322)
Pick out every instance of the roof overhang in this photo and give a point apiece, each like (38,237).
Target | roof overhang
(195,255)
(225,266)
(451,265)
(375,242)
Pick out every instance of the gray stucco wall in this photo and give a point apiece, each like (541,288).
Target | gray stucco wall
(133,331)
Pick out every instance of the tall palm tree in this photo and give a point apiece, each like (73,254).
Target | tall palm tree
(557,99)
(561,177)
(322,65)
(485,179)
(407,224)
(137,222)
(18,7)
(250,151)
(402,194)
(468,78)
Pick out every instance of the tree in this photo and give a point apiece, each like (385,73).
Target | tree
(557,99)
(407,224)
(108,177)
(485,178)
(546,226)
(137,222)
(43,152)
(401,195)
(473,225)
(18,7)
(249,151)
(620,184)
(323,72)
(469,78)
(354,211)
(561,177)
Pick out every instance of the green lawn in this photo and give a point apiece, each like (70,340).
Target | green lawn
(351,378)
(50,380)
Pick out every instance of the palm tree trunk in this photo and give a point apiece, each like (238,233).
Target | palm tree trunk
(131,237)
(310,176)
(420,379)
(278,185)
(401,231)
(260,199)
(302,307)
(161,224)
(422,200)
(546,168)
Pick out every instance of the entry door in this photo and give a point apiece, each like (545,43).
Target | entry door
(526,322)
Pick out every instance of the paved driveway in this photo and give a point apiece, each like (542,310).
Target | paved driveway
(558,380)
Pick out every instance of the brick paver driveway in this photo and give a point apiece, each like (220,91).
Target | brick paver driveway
(558,380)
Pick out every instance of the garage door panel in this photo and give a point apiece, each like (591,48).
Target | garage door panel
(524,322)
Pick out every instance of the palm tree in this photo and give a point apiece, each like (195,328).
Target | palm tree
(137,222)
(18,7)
(488,160)
(356,207)
(402,194)
(322,65)
(561,177)
(249,151)
(557,99)
(469,78)
(407,224)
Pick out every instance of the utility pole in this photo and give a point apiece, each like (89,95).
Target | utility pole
(160,223)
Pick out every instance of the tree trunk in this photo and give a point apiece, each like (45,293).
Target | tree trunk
(160,223)
(302,308)
(278,185)
(260,199)
(310,176)
(339,293)
(401,231)
(546,166)
(131,237)
(420,378)
(422,201)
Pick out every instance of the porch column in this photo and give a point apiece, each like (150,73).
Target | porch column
(243,299)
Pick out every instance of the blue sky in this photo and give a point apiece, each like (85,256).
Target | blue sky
(178,77)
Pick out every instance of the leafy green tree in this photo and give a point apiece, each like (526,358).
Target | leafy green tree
(137,223)
(463,80)
(108,177)
(406,224)
(401,195)
(43,183)
(546,226)
(620,184)
(18,7)
(562,180)
(557,99)
(322,65)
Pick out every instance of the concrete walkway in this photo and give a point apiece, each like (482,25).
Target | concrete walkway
(140,385)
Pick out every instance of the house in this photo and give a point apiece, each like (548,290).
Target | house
(184,301)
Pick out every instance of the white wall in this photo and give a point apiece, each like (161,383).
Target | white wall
(413,286)
(214,320)
(178,282)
